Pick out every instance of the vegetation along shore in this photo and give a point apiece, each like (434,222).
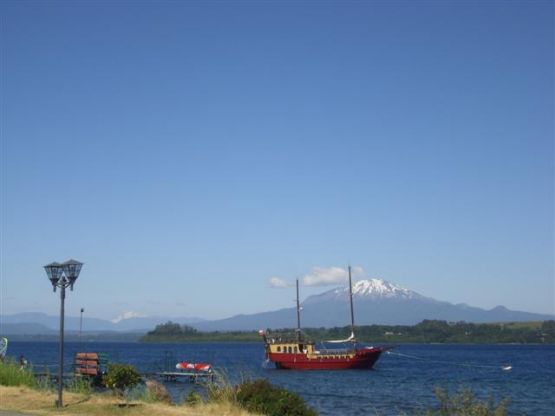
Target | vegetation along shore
(124,393)
(429,331)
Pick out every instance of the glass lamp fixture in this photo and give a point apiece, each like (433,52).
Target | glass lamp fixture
(71,269)
(54,272)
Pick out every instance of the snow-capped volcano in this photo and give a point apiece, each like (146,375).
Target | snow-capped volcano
(380,287)
(366,289)
(127,315)
(376,301)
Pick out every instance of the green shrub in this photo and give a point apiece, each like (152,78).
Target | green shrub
(193,398)
(156,392)
(121,377)
(465,403)
(12,374)
(260,396)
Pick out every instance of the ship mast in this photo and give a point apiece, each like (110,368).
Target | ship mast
(298,315)
(352,311)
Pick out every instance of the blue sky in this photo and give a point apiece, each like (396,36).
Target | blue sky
(187,152)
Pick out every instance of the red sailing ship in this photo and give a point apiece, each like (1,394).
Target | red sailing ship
(295,353)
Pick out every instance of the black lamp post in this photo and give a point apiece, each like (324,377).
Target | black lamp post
(62,275)
(81,324)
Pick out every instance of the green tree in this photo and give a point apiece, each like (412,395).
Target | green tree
(121,377)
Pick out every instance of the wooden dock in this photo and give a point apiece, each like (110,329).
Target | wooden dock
(191,376)
(167,371)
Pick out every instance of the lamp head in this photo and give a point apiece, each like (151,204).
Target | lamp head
(71,269)
(54,272)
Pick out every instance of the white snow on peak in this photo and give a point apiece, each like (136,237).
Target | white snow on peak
(127,315)
(380,288)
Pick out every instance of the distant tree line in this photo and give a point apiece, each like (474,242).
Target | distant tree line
(434,331)
(427,331)
(172,332)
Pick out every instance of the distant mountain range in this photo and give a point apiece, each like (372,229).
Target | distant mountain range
(32,323)
(376,301)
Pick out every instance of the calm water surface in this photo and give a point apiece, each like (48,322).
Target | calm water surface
(395,385)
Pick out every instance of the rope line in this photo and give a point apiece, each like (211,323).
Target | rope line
(506,367)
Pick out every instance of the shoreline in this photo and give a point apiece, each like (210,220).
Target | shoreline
(85,343)
(28,401)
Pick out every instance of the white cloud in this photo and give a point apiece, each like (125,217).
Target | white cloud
(279,283)
(127,315)
(358,272)
(329,276)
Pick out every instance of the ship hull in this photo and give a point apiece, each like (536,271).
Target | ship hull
(363,358)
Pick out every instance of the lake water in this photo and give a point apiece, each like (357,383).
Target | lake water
(397,383)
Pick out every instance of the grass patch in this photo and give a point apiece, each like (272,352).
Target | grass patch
(80,385)
(248,399)
(221,390)
(12,374)
(39,402)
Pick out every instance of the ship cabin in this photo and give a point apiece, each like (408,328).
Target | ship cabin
(307,349)
(290,347)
